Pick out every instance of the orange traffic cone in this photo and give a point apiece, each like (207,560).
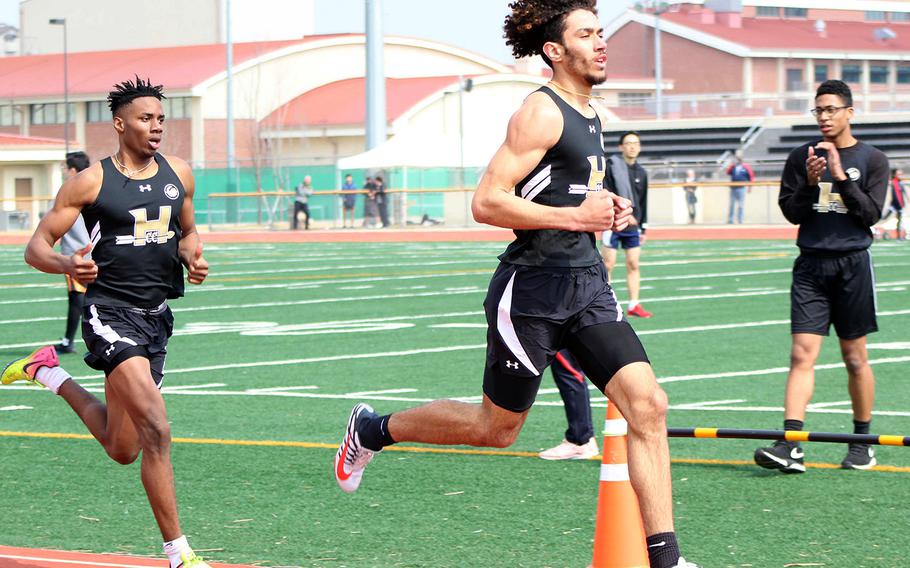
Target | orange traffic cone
(619,535)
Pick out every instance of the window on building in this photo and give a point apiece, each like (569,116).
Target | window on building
(899,16)
(767,11)
(50,113)
(632,99)
(851,73)
(878,73)
(177,108)
(821,73)
(97,111)
(903,74)
(9,116)
(875,16)
(796,12)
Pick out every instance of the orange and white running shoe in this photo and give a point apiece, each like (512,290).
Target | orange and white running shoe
(352,457)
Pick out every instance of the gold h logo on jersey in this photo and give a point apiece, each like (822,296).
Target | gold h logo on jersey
(828,202)
(147,231)
(598,171)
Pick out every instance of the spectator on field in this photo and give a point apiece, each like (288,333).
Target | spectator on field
(302,194)
(738,171)
(370,205)
(348,201)
(691,199)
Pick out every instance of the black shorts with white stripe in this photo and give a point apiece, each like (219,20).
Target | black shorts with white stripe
(533,312)
(113,334)
(837,290)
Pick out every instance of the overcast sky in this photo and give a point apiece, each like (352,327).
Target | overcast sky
(475,25)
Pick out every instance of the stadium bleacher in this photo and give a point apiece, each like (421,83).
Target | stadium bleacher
(682,145)
(893,138)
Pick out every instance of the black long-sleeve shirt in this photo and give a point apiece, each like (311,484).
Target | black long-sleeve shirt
(638,180)
(835,216)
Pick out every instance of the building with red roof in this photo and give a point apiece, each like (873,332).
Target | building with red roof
(770,54)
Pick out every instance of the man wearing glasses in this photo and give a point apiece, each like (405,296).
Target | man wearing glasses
(627,178)
(834,189)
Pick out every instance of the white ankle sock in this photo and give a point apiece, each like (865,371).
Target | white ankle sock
(632,304)
(52,377)
(174,549)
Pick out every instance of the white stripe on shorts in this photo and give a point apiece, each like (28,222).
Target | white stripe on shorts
(507,330)
(105,331)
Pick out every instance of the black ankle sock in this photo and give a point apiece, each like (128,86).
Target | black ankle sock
(374,432)
(791,425)
(663,551)
(861,427)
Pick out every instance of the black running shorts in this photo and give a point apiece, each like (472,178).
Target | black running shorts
(113,334)
(533,312)
(833,290)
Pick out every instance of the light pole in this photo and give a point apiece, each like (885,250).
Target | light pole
(658,7)
(66,83)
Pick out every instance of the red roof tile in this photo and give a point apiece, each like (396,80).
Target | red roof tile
(775,33)
(91,73)
(344,102)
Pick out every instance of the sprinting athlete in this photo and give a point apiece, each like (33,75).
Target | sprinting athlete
(138,208)
(834,189)
(551,289)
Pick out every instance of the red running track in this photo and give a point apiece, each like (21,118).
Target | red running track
(11,557)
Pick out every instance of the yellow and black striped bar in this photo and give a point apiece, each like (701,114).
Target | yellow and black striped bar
(790,436)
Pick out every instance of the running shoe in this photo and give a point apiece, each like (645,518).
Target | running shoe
(24,369)
(190,560)
(639,311)
(783,456)
(569,451)
(859,456)
(684,564)
(352,457)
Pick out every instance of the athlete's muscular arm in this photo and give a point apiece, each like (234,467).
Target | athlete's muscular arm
(798,187)
(190,247)
(533,129)
(76,193)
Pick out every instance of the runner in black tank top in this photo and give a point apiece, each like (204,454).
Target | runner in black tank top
(550,290)
(134,227)
(570,169)
(138,208)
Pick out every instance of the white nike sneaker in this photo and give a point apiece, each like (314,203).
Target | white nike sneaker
(569,451)
(352,457)
(684,564)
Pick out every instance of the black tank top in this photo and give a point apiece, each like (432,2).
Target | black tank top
(572,167)
(134,225)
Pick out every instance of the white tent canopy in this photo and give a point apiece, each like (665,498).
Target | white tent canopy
(423,150)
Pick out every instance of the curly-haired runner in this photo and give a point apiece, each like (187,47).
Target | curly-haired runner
(138,208)
(550,290)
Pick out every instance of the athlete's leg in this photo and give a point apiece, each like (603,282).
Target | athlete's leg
(801,378)
(447,422)
(134,388)
(861,381)
(643,403)
(633,272)
(108,423)
(609,254)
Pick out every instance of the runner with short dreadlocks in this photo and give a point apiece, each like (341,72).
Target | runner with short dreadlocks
(138,208)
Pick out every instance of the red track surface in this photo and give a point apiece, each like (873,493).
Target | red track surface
(719,232)
(38,558)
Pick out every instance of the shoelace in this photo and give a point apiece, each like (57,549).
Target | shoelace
(190,560)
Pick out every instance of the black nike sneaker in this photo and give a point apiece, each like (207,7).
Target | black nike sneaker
(783,456)
(859,456)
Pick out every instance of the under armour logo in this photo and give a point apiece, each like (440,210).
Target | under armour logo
(108,351)
(147,187)
(592,129)
(511,364)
